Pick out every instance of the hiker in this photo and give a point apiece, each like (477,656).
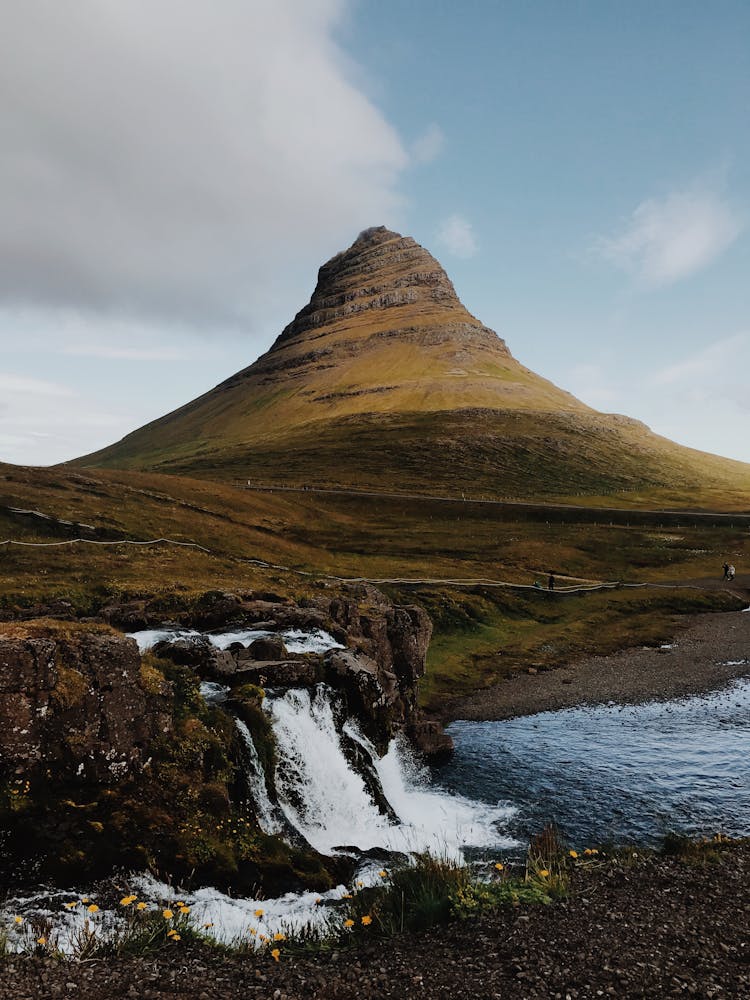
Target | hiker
(725,567)
(730,573)
(537,585)
(551,582)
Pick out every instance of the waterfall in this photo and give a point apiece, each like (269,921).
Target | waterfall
(328,802)
(266,812)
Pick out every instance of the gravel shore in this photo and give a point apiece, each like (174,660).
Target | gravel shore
(649,927)
(704,653)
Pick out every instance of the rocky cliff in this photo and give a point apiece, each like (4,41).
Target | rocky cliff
(112,759)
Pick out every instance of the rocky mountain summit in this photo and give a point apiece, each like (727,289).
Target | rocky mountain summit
(386,365)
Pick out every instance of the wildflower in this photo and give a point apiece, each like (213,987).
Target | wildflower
(279,937)
(18,920)
(573,854)
(93,908)
(262,937)
(587,851)
(499,866)
(141,906)
(184,910)
(127,900)
(41,940)
(259,912)
(206,926)
(360,884)
(252,932)
(167,914)
(347,895)
(172,933)
(176,937)
(367,920)
(69,906)
(543,873)
(318,901)
(348,923)
(383,873)
(275,954)
(85,899)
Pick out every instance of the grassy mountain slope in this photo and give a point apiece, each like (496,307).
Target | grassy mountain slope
(385,380)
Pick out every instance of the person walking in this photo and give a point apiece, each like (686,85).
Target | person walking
(725,567)
(730,573)
(551,582)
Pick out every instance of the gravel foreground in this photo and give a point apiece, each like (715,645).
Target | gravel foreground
(643,927)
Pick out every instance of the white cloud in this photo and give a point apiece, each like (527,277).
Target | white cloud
(700,400)
(429,145)
(722,360)
(22,385)
(671,238)
(176,159)
(456,235)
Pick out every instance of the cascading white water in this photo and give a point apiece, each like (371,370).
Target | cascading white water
(327,801)
(266,812)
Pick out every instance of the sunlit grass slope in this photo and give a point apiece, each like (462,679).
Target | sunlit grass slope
(385,380)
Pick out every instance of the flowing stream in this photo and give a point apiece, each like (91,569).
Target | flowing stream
(615,774)
(610,774)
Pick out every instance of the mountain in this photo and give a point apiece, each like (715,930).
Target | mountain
(384,379)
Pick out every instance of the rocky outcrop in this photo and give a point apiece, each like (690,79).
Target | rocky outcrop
(74,700)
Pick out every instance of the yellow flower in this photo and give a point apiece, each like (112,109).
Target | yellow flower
(367,920)
(85,899)
(348,923)
(167,914)
(383,873)
(499,866)
(587,851)
(126,900)
(176,937)
(93,908)
(573,854)
(347,895)
(69,906)
(141,906)
(41,940)
(318,900)
(543,873)
(184,910)
(262,937)
(279,937)
(252,931)
(259,912)
(360,884)
(206,926)
(275,954)
(18,920)
(171,933)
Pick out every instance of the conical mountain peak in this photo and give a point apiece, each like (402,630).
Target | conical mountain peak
(385,378)
(382,275)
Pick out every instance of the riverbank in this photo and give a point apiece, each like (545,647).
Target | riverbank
(704,653)
(630,927)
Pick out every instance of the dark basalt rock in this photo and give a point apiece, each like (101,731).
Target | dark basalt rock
(72,701)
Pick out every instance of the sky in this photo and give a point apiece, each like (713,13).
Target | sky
(174,172)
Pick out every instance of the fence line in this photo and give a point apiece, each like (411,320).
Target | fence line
(93,541)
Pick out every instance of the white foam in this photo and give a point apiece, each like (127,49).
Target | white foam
(328,802)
